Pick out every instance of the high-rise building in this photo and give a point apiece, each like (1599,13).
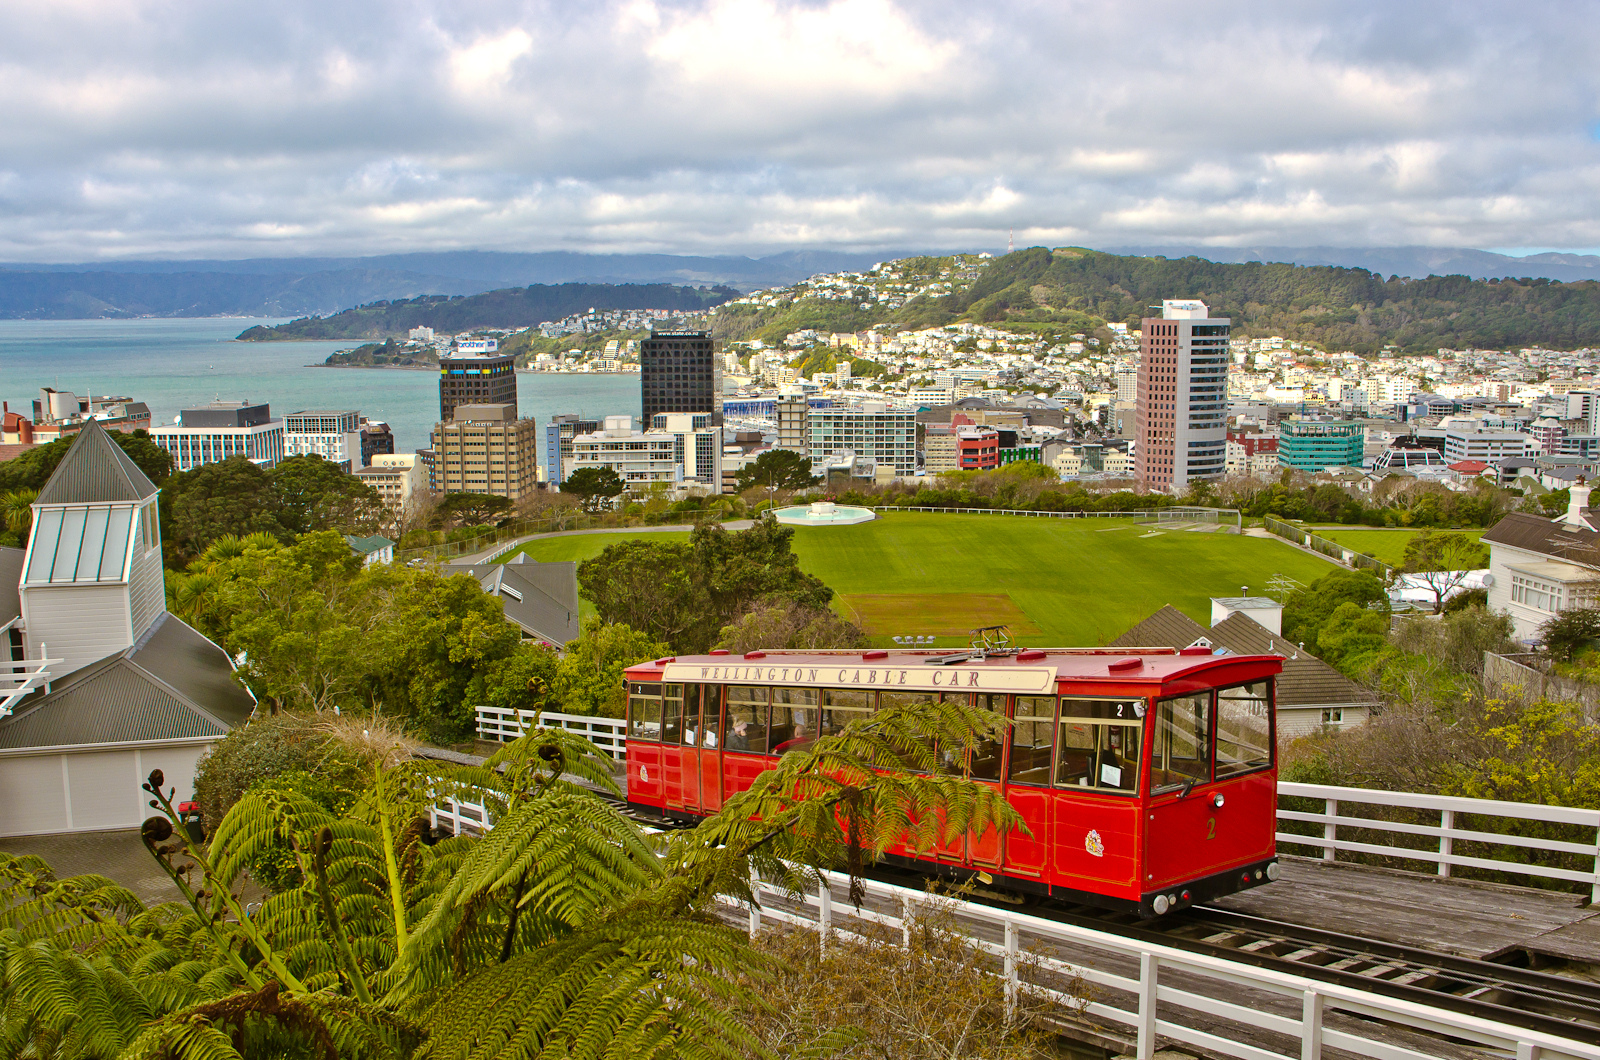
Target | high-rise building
(1127,385)
(697,445)
(794,428)
(476,379)
(872,432)
(486,449)
(558,435)
(376,439)
(679,372)
(212,433)
(334,435)
(640,458)
(1315,445)
(977,448)
(1181,420)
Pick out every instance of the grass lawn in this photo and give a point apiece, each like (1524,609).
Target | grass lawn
(1080,581)
(1387,545)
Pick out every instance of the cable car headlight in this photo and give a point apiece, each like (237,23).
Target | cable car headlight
(1217,800)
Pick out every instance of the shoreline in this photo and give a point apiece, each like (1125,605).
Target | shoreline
(381,367)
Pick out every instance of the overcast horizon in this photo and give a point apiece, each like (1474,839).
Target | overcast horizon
(750,127)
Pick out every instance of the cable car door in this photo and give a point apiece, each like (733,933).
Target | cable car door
(1182,840)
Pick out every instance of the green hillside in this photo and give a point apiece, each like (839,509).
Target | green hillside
(514,307)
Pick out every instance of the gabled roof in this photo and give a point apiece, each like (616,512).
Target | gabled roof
(367,545)
(542,598)
(95,471)
(1555,538)
(1306,680)
(173,684)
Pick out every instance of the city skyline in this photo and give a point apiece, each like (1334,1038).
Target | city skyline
(756,126)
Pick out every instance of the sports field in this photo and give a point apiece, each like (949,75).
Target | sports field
(1387,545)
(1078,581)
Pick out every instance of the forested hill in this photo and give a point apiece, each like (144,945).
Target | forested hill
(1342,309)
(515,307)
(1071,290)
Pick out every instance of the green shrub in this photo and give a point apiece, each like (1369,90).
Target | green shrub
(268,748)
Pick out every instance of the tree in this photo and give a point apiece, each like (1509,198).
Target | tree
(16,515)
(1306,611)
(1441,562)
(470,509)
(786,624)
(1570,631)
(595,487)
(560,932)
(589,675)
(232,497)
(782,469)
(317,494)
(1353,638)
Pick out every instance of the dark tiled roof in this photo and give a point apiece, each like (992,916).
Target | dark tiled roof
(1556,539)
(548,607)
(1306,680)
(10,583)
(174,684)
(95,471)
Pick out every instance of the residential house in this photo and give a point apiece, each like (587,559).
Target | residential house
(1540,567)
(540,598)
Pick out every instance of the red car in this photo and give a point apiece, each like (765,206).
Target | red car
(1148,780)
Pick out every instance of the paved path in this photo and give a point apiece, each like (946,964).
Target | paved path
(678,528)
(120,855)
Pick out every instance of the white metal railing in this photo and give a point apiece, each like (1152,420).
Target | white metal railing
(502,726)
(1157,992)
(1445,833)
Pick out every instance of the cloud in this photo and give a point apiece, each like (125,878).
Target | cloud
(185,129)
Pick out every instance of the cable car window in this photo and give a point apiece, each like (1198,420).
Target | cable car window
(1182,751)
(671,714)
(1100,743)
(747,719)
(1244,728)
(644,712)
(987,753)
(794,718)
(694,733)
(1032,740)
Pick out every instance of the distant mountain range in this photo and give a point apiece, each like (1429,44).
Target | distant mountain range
(293,287)
(1416,262)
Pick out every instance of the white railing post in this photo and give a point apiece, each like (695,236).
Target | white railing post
(1330,831)
(1147,1007)
(1011,970)
(824,914)
(1311,1026)
(1528,1051)
(1447,842)
(1594,893)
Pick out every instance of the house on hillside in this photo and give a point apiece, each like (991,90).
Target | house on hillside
(105,684)
(1539,567)
(541,598)
(374,549)
(1311,695)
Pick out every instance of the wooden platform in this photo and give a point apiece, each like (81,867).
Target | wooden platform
(1481,920)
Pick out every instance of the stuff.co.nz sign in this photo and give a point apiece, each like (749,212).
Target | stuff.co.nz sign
(1035,679)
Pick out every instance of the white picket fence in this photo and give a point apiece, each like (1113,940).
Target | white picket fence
(1159,992)
(1445,833)
(503,726)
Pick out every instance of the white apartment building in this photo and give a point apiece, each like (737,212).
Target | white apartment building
(212,433)
(1127,385)
(1489,446)
(640,458)
(697,445)
(874,431)
(334,435)
(1182,405)
(398,478)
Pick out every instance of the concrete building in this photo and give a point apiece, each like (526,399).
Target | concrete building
(794,427)
(400,479)
(486,449)
(334,435)
(939,448)
(470,379)
(1182,403)
(640,458)
(133,687)
(376,440)
(977,448)
(680,372)
(1252,454)
(1314,445)
(558,435)
(872,432)
(61,413)
(212,433)
(1466,443)
(697,446)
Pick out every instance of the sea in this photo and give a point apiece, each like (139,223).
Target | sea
(173,364)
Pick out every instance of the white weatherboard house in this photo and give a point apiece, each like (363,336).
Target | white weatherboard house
(1540,567)
(109,685)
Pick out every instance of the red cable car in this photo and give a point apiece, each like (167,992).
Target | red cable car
(1148,780)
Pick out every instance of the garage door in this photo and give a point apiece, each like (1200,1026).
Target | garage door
(89,790)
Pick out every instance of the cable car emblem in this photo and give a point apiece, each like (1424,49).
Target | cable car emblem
(644,775)
(1094,844)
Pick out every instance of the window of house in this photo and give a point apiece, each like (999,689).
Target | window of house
(1333,716)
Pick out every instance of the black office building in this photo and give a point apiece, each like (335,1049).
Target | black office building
(679,373)
(470,380)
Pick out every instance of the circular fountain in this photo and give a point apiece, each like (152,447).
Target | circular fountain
(823,513)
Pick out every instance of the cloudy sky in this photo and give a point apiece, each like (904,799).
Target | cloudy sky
(189,128)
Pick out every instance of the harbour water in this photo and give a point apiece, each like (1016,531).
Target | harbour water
(170,364)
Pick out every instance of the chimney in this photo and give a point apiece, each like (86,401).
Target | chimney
(1580,501)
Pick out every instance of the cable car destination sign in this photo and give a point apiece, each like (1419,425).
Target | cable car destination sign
(1022,679)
